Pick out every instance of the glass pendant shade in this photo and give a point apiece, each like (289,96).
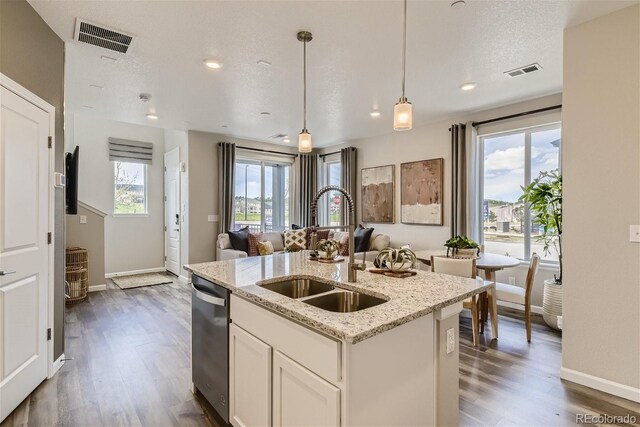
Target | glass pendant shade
(304,142)
(402,115)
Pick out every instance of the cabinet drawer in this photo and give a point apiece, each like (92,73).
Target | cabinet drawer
(318,353)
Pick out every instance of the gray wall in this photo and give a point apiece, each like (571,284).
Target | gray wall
(601,152)
(33,55)
(89,236)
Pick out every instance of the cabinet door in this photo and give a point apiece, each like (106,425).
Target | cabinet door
(300,397)
(249,379)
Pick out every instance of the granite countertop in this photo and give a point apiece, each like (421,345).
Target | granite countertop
(408,298)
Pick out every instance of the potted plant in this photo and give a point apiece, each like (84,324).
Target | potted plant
(544,196)
(462,247)
(396,260)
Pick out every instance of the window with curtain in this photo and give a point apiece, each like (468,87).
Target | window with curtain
(508,161)
(263,199)
(331,203)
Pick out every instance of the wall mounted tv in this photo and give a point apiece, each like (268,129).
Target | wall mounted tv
(71,172)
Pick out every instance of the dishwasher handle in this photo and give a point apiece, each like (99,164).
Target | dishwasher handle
(208,298)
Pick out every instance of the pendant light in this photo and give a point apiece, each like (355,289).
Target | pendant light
(304,139)
(403,111)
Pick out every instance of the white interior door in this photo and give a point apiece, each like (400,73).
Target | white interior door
(24,251)
(172,211)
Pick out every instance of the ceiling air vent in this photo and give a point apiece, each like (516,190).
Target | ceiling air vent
(106,38)
(523,70)
(277,136)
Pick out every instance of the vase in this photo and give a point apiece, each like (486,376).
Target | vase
(552,303)
(465,253)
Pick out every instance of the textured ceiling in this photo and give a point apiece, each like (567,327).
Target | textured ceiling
(354,61)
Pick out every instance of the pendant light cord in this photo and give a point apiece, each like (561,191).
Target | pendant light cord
(304,79)
(404,49)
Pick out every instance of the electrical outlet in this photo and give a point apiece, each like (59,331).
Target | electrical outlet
(634,233)
(512,280)
(451,340)
(83,219)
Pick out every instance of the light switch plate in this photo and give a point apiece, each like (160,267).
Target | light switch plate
(210,218)
(634,233)
(216,218)
(83,219)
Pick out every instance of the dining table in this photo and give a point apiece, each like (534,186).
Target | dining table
(489,263)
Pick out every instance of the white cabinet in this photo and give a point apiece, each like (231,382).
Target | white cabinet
(250,379)
(300,397)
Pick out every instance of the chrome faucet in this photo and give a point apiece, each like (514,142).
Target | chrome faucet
(352,266)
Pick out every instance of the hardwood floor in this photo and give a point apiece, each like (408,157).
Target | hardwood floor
(131,367)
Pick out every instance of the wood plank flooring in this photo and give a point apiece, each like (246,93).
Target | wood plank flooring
(131,367)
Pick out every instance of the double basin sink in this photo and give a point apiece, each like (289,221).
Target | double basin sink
(323,295)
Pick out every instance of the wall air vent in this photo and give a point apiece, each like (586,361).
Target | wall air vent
(106,38)
(523,70)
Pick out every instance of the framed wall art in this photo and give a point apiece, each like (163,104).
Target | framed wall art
(378,185)
(421,192)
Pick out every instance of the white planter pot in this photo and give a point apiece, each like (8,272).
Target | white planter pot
(552,303)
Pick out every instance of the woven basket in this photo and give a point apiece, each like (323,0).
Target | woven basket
(77,280)
(77,257)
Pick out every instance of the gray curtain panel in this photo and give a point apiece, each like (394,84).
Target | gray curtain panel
(226,179)
(308,179)
(349,177)
(459,193)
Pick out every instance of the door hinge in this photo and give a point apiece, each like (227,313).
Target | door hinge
(165,257)
(165,168)
(165,198)
(165,228)
(49,334)
(49,238)
(50,142)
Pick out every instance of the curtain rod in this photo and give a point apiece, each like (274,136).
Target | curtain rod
(267,151)
(513,116)
(329,154)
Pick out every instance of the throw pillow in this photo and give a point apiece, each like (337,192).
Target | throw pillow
(379,242)
(362,236)
(254,238)
(224,242)
(295,240)
(308,235)
(265,248)
(344,244)
(240,239)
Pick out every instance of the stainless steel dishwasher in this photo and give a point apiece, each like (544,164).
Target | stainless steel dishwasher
(210,343)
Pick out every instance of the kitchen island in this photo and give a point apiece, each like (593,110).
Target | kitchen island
(295,360)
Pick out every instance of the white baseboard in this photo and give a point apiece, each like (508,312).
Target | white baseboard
(96,288)
(617,389)
(534,308)
(57,365)
(183,279)
(130,273)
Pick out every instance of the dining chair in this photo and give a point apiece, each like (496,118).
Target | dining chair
(463,268)
(521,296)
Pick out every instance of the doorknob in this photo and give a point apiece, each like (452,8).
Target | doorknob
(4,272)
(176,229)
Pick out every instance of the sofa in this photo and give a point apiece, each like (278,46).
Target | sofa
(225,250)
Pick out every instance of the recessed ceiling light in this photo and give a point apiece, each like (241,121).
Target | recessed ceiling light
(286,140)
(265,113)
(108,58)
(459,3)
(375,113)
(265,63)
(212,63)
(468,86)
(224,126)
(97,87)
(152,116)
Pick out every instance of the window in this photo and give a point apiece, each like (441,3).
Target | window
(332,203)
(511,160)
(130,188)
(262,194)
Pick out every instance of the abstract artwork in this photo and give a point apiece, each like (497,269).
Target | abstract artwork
(377,194)
(421,192)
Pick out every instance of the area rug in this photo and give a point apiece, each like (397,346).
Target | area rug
(139,280)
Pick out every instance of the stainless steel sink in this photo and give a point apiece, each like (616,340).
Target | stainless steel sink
(298,288)
(344,302)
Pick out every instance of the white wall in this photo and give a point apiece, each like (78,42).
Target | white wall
(178,139)
(601,152)
(131,243)
(434,141)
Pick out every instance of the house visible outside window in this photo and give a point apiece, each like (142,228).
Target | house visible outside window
(510,160)
(263,199)
(130,188)
(331,203)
